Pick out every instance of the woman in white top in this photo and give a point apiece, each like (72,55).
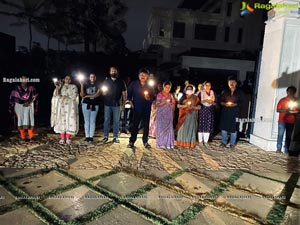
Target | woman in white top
(64,110)
(206,114)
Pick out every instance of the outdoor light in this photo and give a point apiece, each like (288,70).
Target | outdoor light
(151,82)
(292,104)
(104,88)
(146,92)
(55,80)
(80,76)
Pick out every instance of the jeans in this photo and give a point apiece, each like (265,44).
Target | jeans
(232,137)
(115,110)
(89,120)
(125,119)
(138,117)
(288,128)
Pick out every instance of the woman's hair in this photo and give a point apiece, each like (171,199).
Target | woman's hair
(190,85)
(167,83)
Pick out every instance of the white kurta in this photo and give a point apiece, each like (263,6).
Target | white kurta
(64,110)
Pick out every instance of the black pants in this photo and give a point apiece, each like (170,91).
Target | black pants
(138,117)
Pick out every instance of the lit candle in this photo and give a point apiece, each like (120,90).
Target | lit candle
(146,92)
(151,83)
(55,80)
(208,98)
(104,88)
(189,103)
(292,104)
(229,103)
(168,100)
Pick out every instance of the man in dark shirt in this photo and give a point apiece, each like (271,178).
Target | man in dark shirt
(114,91)
(232,100)
(90,106)
(141,96)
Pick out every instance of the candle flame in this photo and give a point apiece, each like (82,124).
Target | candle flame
(292,104)
(104,88)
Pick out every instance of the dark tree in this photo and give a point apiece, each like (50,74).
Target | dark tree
(27,12)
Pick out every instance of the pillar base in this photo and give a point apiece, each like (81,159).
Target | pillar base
(265,144)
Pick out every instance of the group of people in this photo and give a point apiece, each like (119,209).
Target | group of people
(154,110)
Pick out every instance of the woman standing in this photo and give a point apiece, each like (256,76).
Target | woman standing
(206,114)
(64,110)
(165,105)
(187,121)
(23,102)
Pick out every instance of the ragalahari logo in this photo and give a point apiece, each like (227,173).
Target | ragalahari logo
(246,9)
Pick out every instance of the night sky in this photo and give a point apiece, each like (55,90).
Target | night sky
(136,18)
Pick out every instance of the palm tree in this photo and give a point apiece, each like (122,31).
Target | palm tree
(27,12)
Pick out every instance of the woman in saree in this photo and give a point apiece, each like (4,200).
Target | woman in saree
(165,105)
(187,120)
(64,110)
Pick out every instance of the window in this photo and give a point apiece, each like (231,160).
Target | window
(229,8)
(227,31)
(240,35)
(205,32)
(161,28)
(178,30)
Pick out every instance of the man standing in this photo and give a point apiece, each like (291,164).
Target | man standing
(23,101)
(232,101)
(114,91)
(90,106)
(142,96)
(285,107)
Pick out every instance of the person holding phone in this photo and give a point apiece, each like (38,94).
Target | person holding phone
(64,110)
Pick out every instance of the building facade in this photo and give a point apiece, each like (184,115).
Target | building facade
(198,32)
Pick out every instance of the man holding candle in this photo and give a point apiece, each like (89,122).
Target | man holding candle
(286,108)
(114,91)
(141,96)
(232,99)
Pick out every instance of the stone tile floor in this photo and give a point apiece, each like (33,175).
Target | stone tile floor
(46,183)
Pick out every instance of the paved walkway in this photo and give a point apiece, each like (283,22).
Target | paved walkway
(110,184)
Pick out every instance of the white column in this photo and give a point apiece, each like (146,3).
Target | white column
(280,68)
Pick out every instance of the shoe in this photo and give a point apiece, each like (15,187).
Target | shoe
(105,140)
(86,139)
(222,145)
(68,141)
(61,141)
(116,140)
(231,147)
(91,140)
(279,151)
(146,145)
(130,145)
